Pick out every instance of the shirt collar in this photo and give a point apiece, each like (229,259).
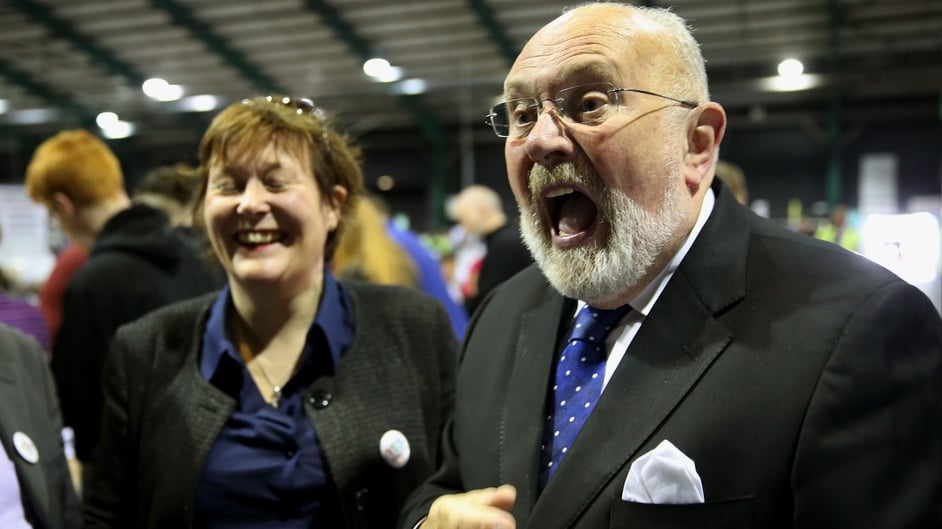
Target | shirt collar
(334,318)
(333,321)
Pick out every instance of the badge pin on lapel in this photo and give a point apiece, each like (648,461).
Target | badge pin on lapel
(25,447)
(394,448)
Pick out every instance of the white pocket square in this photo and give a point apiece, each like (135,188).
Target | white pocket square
(663,475)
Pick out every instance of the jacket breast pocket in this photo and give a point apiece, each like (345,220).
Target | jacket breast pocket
(726,514)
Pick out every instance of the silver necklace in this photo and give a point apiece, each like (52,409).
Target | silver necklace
(276,389)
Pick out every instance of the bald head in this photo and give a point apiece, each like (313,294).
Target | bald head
(657,43)
(479,209)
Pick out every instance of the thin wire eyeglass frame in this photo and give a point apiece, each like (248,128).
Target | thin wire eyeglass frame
(502,130)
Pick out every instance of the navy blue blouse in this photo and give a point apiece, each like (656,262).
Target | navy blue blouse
(267,468)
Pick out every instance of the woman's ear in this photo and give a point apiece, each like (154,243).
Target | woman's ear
(703,141)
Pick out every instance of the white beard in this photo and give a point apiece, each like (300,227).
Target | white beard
(626,243)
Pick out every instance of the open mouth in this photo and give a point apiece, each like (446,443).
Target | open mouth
(572,214)
(259,237)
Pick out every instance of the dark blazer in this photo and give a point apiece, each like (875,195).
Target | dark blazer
(804,381)
(161,417)
(28,404)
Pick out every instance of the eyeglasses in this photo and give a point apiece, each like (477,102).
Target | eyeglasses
(590,105)
(302,106)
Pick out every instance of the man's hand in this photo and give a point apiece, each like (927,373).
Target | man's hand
(477,509)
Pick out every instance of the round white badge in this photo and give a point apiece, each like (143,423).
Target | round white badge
(25,447)
(394,447)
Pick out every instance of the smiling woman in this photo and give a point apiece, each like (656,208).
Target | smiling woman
(271,394)
(266,217)
(279,125)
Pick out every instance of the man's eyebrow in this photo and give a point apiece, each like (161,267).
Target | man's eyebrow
(512,90)
(590,70)
(594,70)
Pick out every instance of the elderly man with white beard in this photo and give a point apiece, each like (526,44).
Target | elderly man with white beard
(672,359)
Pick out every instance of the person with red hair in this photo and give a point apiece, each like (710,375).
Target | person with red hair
(136,263)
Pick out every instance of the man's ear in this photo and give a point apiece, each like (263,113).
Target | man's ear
(337,198)
(703,140)
(62,205)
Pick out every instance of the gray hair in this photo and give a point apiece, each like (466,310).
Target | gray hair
(692,83)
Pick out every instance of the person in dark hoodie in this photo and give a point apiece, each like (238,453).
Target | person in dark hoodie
(136,263)
(173,189)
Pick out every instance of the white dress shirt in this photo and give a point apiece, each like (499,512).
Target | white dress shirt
(623,333)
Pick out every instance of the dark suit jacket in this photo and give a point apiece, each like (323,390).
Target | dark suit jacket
(28,404)
(804,382)
(161,417)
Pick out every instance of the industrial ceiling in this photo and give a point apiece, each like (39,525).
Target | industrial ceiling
(63,62)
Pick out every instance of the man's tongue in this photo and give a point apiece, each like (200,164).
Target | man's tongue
(576,213)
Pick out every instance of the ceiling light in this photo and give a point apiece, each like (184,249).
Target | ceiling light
(161,90)
(394,73)
(790,68)
(380,70)
(32,116)
(412,87)
(200,103)
(791,84)
(117,130)
(112,127)
(106,119)
(375,67)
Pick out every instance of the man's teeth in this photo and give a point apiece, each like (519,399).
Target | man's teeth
(560,192)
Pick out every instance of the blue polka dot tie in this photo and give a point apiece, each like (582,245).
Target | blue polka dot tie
(579,375)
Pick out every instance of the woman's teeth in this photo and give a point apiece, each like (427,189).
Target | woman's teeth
(255,237)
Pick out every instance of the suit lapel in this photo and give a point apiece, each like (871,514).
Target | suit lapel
(524,407)
(200,409)
(676,344)
(206,417)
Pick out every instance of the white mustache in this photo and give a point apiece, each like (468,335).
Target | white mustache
(564,174)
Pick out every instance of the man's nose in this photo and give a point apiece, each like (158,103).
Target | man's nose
(548,143)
